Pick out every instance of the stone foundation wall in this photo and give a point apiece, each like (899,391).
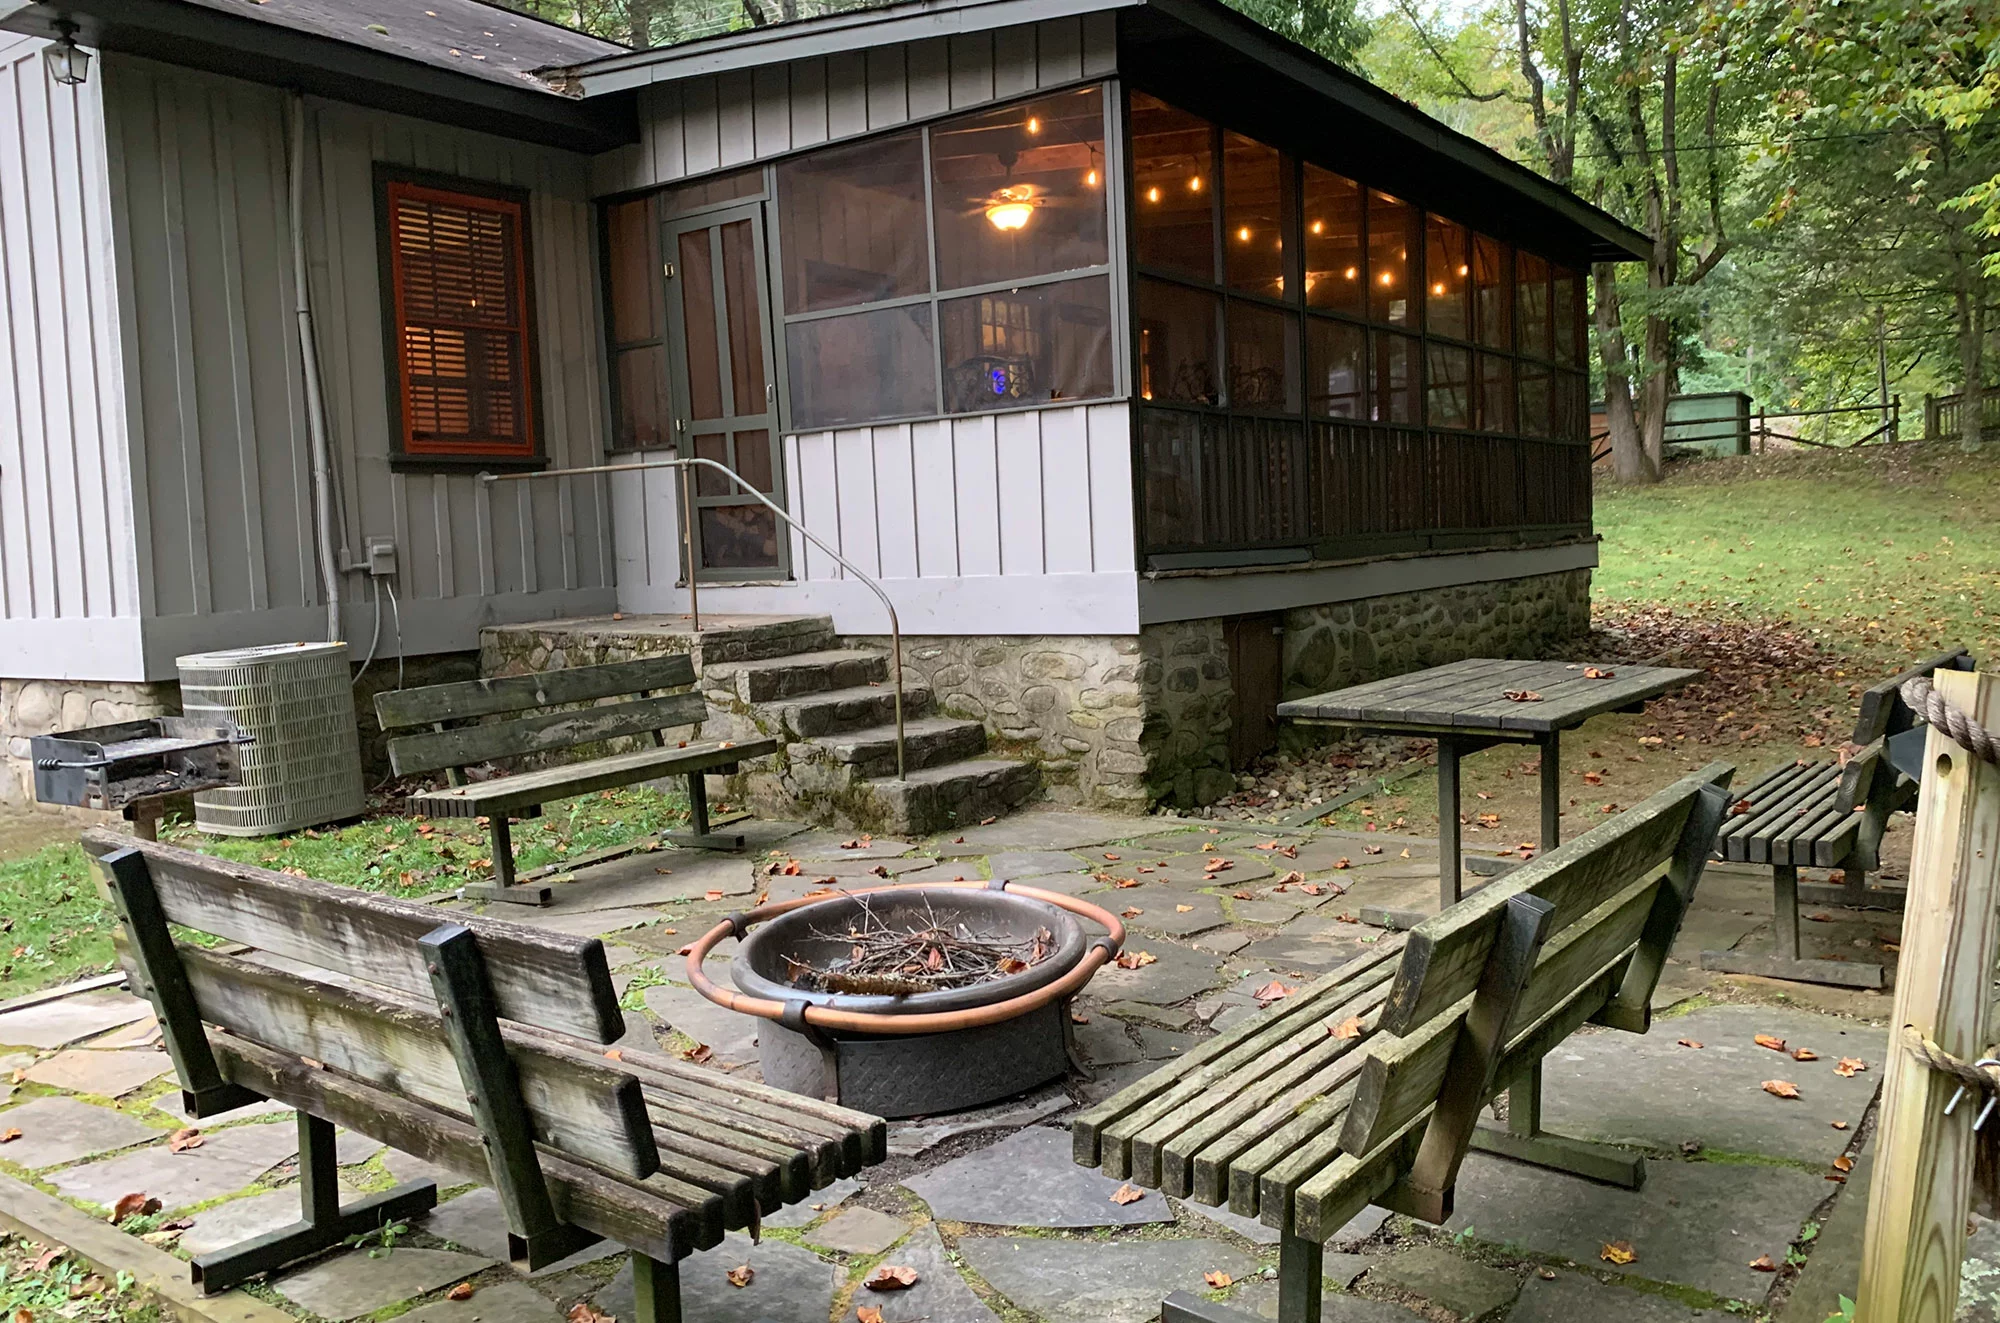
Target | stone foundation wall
(43,707)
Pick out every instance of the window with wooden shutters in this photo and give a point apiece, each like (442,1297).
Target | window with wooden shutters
(460,333)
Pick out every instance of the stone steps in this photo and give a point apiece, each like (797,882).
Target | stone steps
(769,679)
(836,710)
(961,794)
(927,742)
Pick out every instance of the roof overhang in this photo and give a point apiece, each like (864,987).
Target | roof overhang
(241,46)
(1192,47)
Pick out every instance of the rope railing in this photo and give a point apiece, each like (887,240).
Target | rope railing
(687,549)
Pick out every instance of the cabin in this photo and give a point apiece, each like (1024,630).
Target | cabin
(1154,366)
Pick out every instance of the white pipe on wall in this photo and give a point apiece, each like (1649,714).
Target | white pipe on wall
(325,503)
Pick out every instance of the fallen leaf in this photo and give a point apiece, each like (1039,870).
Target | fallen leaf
(988,822)
(1762,1263)
(1343,862)
(9,1135)
(712,894)
(892,1277)
(1838,1125)
(1272,991)
(463,1291)
(868,1314)
(1007,965)
(1619,1252)
(1127,1193)
(1843,1163)
(1820,916)
(1183,909)
(1521,695)
(184,1139)
(1311,888)
(1078,1017)
(741,1275)
(1740,807)
(1689,1042)
(1781,1088)
(1593,673)
(1218,1280)
(1240,895)
(1131,912)
(698,1054)
(1127,883)
(1371,849)
(585,1312)
(1847,1066)
(1135,959)
(1771,1041)
(134,1205)
(46,1258)
(1804,1054)
(1112,857)
(1348,1028)
(1593,778)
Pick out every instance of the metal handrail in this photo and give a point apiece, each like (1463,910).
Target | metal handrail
(687,546)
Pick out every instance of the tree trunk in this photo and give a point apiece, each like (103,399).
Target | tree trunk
(1628,454)
(1971,359)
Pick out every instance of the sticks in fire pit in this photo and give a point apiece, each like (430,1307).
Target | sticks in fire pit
(920,956)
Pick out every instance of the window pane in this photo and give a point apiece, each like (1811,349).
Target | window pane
(1263,358)
(738,537)
(1395,396)
(1177,343)
(643,411)
(851,224)
(1334,269)
(746,322)
(1531,303)
(698,324)
(632,254)
(1491,286)
(1447,278)
(1534,396)
(1569,409)
(1173,176)
(1389,224)
(1175,445)
(1257,206)
(1336,358)
(1448,386)
(1568,317)
(862,368)
(1496,393)
(1020,191)
(1046,342)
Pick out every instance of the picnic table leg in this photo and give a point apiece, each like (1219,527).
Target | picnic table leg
(1449,863)
(1551,791)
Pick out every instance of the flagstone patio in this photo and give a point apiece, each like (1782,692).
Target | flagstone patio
(1000,1226)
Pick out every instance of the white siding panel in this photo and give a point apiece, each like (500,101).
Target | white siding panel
(934,489)
(735,96)
(1014,68)
(773,111)
(1100,44)
(1066,494)
(971,69)
(1111,488)
(701,129)
(860,526)
(929,77)
(1059,50)
(896,501)
(808,80)
(816,504)
(1018,448)
(888,87)
(660,122)
(846,94)
(977,468)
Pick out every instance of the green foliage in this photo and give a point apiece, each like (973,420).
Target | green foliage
(1845,1314)
(64,1288)
(56,927)
(1332,28)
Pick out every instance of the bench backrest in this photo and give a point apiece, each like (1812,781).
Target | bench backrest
(337,978)
(459,736)
(1883,711)
(1616,895)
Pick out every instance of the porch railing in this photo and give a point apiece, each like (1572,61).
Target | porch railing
(687,552)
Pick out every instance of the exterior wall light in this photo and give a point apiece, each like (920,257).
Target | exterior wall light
(68,63)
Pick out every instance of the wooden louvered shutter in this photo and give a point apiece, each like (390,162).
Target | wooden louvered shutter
(463,345)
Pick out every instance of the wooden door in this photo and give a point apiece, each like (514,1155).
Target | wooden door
(725,393)
(1256,676)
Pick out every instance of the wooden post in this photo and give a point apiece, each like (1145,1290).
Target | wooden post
(1951,934)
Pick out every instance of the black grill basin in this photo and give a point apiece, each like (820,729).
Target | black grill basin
(903,1075)
(112,767)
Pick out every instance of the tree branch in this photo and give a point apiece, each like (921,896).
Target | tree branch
(1444,62)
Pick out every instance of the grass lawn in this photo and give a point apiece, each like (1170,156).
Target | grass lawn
(1881,554)
(57,929)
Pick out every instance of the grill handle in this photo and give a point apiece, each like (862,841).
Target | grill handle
(58,765)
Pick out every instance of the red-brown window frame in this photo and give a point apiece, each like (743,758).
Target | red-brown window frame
(393,184)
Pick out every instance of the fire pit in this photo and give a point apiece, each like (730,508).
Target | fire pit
(911,1000)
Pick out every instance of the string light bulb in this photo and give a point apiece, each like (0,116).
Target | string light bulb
(1194,184)
(1034,125)
(1387,278)
(1353,273)
(1090,180)
(1152,195)
(1319,227)
(1243,234)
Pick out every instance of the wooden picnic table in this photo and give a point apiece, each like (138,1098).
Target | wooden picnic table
(1465,707)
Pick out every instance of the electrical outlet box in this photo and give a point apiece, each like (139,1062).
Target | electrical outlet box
(382,557)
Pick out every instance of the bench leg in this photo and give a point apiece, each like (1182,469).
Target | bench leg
(701,838)
(503,886)
(1524,1140)
(1785,962)
(1299,1287)
(1854,893)
(323,1223)
(656,1290)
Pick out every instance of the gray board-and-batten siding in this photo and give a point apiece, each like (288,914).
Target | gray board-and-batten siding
(196,296)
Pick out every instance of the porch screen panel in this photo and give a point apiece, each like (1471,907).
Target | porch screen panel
(458,278)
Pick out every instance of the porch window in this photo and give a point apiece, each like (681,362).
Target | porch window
(457,298)
(636,336)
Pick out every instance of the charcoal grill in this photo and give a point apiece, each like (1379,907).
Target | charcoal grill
(132,767)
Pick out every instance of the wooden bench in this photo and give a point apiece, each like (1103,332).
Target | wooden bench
(475,1044)
(1285,1119)
(1829,815)
(458,736)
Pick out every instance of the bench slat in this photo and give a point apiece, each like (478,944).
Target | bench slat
(431,704)
(1766,799)
(589,1111)
(782,1173)
(637,1216)
(509,794)
(1291,1155)
(542,732)
(817,1158)
(541,978)
(1833,849)
(1802,809)
(1238,1161)
(1205,1061)
(1220,1107)
(1404,1073)
(1446,954)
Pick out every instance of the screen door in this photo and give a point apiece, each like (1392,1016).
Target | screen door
(724,392)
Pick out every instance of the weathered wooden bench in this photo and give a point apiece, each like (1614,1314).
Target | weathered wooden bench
(1365,1086)
(1829,814)
(473,1043)
(459,737)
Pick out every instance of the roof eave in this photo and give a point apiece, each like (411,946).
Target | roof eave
(243,47)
